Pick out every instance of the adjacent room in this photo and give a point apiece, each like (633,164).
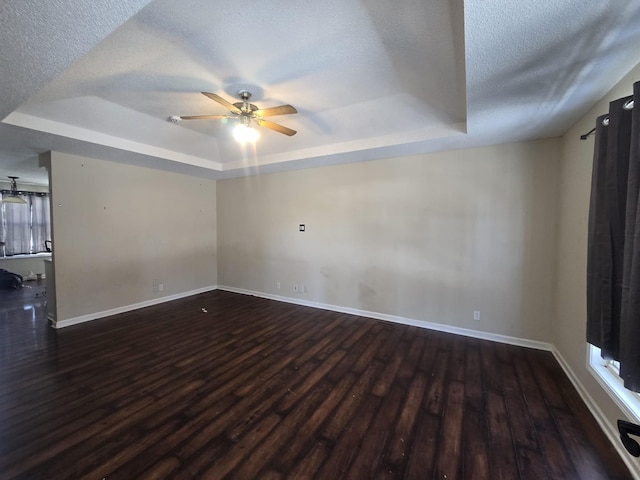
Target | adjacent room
(316,239)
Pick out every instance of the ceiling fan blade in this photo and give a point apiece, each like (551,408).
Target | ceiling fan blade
(275,127)
(222,101)
(203,117)
(273,111)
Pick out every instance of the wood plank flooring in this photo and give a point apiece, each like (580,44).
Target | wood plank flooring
(222,385)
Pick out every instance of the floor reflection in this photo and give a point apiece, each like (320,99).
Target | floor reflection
(23,320)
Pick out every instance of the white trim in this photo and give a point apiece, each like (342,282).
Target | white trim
(612,384)
(127,308)
(79,133)
(494,337)
(609,430)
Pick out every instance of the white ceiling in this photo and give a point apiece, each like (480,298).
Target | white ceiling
(369,78)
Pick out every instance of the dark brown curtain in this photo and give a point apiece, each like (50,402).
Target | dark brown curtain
(613,257)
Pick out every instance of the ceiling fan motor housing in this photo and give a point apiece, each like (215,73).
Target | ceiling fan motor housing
(245,106)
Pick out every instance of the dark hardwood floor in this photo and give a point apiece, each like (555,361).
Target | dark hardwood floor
(222,385)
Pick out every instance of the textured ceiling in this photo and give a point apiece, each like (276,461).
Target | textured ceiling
(369,78)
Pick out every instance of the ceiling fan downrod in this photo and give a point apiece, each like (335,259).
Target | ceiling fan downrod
(245,95)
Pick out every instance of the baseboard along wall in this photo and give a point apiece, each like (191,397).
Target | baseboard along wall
(127,308)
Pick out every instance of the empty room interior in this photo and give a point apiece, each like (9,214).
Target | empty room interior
(343,239)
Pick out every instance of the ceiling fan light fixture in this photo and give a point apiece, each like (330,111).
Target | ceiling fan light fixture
(13,199)
(14,195)
(243,133)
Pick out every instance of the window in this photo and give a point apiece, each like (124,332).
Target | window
(25,226)
(607,373)
(613,250)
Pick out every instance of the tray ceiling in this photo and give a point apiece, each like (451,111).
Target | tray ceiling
(369,78)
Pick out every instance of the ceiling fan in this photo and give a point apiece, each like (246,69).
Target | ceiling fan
(245,112)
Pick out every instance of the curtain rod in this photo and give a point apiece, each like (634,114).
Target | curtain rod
(584,136)
(628,105)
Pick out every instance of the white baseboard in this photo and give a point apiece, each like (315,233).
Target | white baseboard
(127,308)
(611,431)
(467,332)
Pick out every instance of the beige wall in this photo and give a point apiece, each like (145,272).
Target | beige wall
(117,227)
(429,238)
(569,333)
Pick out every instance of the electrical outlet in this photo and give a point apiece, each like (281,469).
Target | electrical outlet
(303,288)
(278,285)
(161,287)
(295,287)
(476,314)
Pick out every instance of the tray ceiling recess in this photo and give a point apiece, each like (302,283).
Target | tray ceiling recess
(369,78)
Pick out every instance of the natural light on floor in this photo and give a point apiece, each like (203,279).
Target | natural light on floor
(607,374)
